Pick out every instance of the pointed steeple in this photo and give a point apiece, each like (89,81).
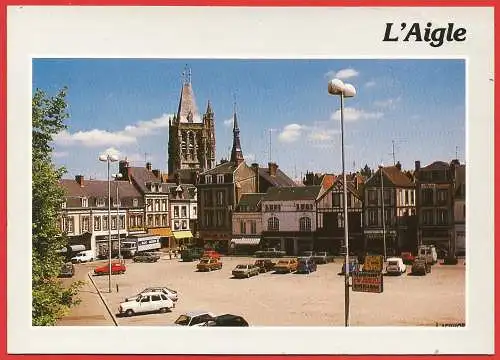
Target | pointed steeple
(236,153)
(187,111)
(209,109)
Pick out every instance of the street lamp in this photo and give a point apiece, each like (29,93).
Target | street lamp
(109,159)
(117,177)
(381,168)
(338,88)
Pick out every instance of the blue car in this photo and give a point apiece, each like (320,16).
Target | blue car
(306,265)
(353,267)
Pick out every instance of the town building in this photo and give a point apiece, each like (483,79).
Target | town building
(84,214)
(330,232)
(460,210)
(396,206)
(436,186)
(191,142)
(247,224)
(289,218)
(271,176)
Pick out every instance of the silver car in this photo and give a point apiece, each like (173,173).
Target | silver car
(171,294)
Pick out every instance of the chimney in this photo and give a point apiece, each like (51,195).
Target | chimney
(79,180)
(157,173)
(398,166)
(417,165)
(255,168)
(148,166)
(273,167)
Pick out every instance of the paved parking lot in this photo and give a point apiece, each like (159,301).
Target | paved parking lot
(273,299)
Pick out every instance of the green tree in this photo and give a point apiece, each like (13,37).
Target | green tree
(366,171)
(50,299)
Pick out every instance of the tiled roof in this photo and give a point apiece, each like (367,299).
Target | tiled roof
(224,168)
(292,193)
(188,189)
(396,176)
(141,176)
(187,105)
(281,179)
(249,201)
(436,165)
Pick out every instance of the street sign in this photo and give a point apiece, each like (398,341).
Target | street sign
(367,282)
(373,263)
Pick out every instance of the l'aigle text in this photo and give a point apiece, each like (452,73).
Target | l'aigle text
(434,36)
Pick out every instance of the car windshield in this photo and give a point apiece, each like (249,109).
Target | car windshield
(393,262)
(241,267)
(204,261)
(183,320)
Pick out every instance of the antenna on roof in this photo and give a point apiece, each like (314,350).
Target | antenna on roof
(456,152)
(271,144)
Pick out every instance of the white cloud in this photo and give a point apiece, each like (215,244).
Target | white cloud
(342,74)
(228,122)
(321,134)
(100,138)
(352,114)
(370,84)
(388,102)
(112,152)
(291,133)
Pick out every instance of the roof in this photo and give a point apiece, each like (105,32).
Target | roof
(224,168)
(281,179)
(250,200)
(392,174)
(187,111)
(197,312)
(292,193)
(436,165)
(141,176)
(188,189)
(460,180)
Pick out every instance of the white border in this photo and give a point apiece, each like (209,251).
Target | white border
(223,32)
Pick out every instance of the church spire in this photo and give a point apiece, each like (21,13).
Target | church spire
(236,153)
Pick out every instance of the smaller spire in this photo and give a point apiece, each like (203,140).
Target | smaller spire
(209,108)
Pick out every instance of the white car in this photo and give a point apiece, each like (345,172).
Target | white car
(194,318)
(147,302)
(171,294)
(83,256)
(395,266)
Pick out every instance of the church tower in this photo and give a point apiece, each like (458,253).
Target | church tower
(191,142)
(236,153)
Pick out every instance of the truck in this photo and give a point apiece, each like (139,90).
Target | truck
(139,243)
(270,252)
(428,252)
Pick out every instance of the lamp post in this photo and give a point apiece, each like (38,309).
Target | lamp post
(109,159)
(117,177)
(338,88)
(381,169)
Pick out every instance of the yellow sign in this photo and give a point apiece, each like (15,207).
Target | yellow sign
(373,263)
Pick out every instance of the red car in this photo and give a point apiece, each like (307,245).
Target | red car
(408,257)
(116,268)
(211,254)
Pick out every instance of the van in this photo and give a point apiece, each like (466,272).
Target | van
(428,252)
(83,256)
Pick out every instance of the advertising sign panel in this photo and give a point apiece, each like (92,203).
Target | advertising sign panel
(373,263)
(367,282)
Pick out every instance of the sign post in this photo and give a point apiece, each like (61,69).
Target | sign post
(371,278)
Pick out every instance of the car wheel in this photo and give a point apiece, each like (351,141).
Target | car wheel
(129,312)
(163,310)
(248,275)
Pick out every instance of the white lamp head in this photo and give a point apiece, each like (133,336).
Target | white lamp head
(113,158)
(349,90)
(335,87)
(103,157)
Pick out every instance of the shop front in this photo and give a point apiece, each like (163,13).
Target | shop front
(182,239)
(166,236)
(244,245)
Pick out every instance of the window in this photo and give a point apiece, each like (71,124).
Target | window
(387,216)
(442,216)
(273,224)
(115,202)
(412,197)
(149,206)
(208,179)
(157,205)
(85,223)
(122,221)
(145,299)
(176,225)
(157,220)
(463,207)
(273,208)
(253,227)
(155,297)
(150,220)
(340,220)
(113,222)
(85,202)
(164,205)
(99,202)
(163,297)
(372,217)
(176,211)
(206,219)
(184,225)
(387,196)
(97,223)
(442,196)
(70,224)
(105,223)
(406,199)
(208,197)
(305,224)
(427,217)
(372,196)
(194,210)
(220,179)
(427,196)
(139,220)
(164,220)
(243,228)
(336,199)
(183,211)
(135,203)
(220,218)
(220,198)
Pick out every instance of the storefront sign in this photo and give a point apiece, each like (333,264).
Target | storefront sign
(373,263)
(367,282)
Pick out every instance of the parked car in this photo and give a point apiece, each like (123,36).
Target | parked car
(306,265)
(245,270)
(209,264)
(429,252)
(420,267)
(194,318)
(67,270)
(211,254)
(83,256)
(171,294)
(395,266)
(191,254)
(147,302)
(264,265)
(270,253)
(146,257)
(322,257)
(116,268)
(353,266)
(227,320)
(407,257)
(286,265)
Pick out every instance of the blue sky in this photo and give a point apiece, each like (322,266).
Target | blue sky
(122,105)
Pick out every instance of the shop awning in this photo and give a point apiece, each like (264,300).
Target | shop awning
(246,241)
(167,232)
(183,234)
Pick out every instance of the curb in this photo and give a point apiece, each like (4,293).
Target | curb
(103,300)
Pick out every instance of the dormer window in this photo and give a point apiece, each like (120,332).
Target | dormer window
(99,202)
(159,188)
(220,179)
(208,179)
(135,203)
(85,202)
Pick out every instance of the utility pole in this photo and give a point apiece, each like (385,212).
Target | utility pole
(393,154)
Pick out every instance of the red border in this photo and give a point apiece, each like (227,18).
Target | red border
(252,3)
